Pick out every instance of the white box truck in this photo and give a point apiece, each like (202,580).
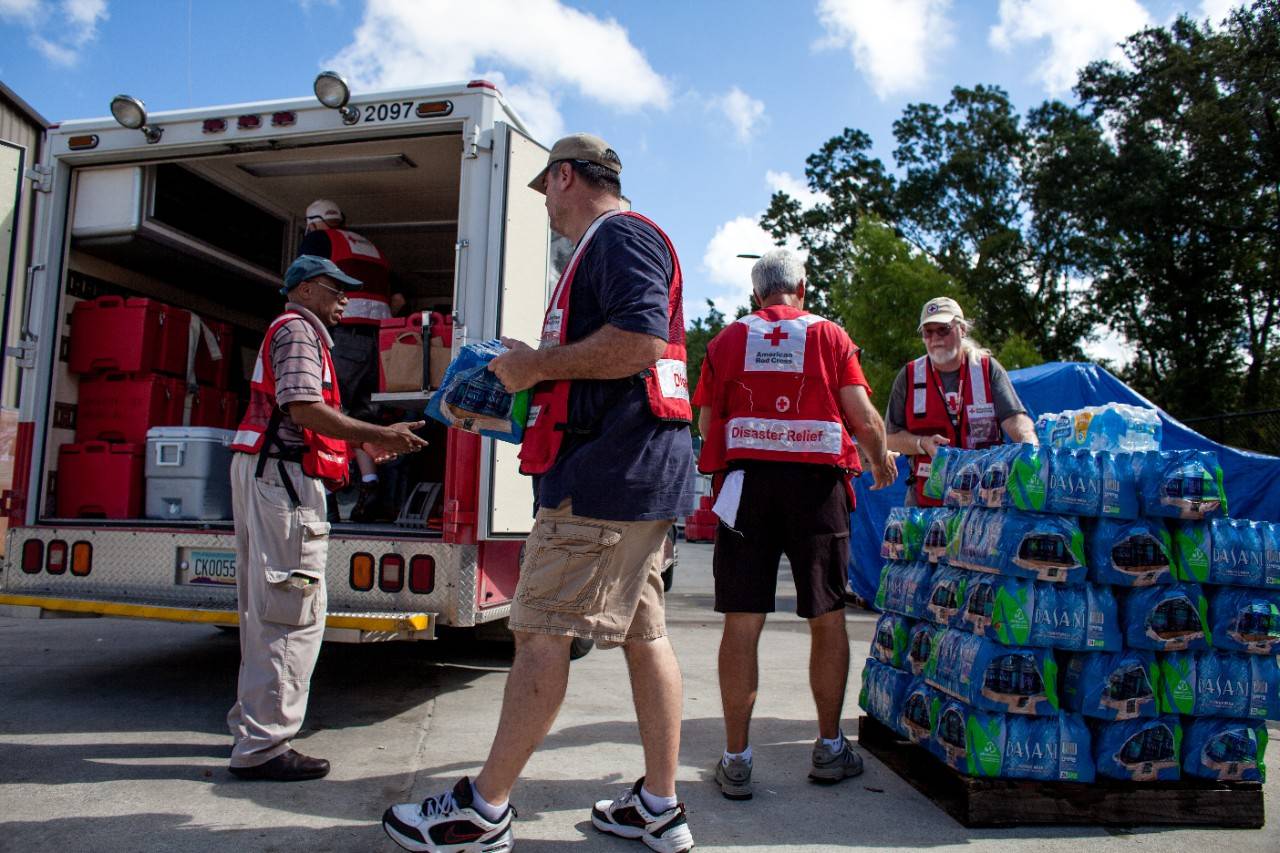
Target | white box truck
(203,209)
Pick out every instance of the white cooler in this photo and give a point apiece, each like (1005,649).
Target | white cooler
(189,473)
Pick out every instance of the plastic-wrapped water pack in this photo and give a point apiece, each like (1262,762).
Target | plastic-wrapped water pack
(997,607)
(921,644)
(1245,620)
(1225,750)
(1019,544)
(473,399)
(1054,749)
(1114,427)
(904,589)
(1079,618)
(903,534)
(1185,484)
(1206,684)
(1112,686)
(969,740)
(920,708)
(1139,750)
(1166,618)
(995,677)
(889,645)
(947,591)
(883,689)
(1129,553)
(1238,554)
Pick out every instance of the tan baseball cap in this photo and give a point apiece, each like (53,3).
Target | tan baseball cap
(941,309)
(579,146)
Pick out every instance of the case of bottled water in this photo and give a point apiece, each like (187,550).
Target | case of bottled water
(1225,750)
(1139,750)
(1112,686)
(1166,618)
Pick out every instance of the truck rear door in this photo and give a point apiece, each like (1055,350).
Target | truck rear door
(520,238)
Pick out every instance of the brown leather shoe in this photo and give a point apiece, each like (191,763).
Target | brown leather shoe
(288,766)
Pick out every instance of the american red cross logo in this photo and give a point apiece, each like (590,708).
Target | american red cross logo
(776,337)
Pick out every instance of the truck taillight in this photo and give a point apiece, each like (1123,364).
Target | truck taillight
(56,558)
(249,122)
(214,125)
(33,556)
(427,109)
(422,574)
(482,84)
(391,573)
(81,559)
(284,119)
(83,143)
(362,572)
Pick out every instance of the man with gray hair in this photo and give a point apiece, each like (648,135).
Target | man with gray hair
(960,396)
(781,398)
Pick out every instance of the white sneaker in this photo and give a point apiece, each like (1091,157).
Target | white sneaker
(830,767)
(446,823)
(627,817)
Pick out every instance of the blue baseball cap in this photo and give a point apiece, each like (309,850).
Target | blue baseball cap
(307,267)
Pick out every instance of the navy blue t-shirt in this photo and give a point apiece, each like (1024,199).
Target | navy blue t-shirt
(633,467)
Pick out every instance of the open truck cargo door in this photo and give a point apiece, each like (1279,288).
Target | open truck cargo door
(520,250)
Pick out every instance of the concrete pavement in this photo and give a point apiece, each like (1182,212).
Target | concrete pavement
(112,739)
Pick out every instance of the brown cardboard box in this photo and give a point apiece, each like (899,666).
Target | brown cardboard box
(438,357)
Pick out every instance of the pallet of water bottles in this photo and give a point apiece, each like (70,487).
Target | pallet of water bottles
(1085,617)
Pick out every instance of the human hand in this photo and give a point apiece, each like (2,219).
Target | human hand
(517,368)
(396,439)
(885,472)
(930,443)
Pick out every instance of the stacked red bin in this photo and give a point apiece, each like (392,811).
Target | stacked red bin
(700,526)
(132,354)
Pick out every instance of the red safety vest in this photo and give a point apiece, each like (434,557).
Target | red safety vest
(325,458)
(775,398)
(359,258)
(666,381)
(973,428)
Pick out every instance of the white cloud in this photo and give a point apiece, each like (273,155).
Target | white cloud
(741,235)
(891,41)
(785,182)
(1078,32)
(1216,10)
(743,112)
(544,47)
(72,23)
(1111,346)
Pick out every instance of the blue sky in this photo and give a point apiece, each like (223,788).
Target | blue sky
(711,105)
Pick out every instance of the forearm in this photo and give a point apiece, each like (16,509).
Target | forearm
(1019,428)
(903,442)
(326,420)
(607,353)
(864,421)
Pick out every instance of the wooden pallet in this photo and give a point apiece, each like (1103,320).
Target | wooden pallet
(1016,802)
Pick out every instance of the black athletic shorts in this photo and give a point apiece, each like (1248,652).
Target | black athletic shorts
(355,360)
(787,508)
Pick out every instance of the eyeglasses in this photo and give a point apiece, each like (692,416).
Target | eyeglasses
(936,331)
(335,291)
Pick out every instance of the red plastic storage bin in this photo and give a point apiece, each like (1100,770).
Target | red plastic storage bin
(441,326)
(123,406)
(210,372)
(212,407)
(97,479)
(128,335)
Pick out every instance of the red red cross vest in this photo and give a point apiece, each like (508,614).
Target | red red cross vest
(325,458)
(975,426)
(359,258)
(775,398)
(666,381)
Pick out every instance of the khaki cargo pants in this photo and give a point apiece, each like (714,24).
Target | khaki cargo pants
(281,550)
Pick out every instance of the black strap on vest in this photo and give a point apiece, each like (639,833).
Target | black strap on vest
(587,429)
(281,453)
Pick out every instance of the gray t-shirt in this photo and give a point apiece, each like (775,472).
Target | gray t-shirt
(1005,398)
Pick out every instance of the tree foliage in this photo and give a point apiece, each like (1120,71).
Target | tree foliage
(696,338)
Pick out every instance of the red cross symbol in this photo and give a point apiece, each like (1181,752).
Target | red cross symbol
(777,336)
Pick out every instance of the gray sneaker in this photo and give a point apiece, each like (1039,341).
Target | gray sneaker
(735,779)
(831,767)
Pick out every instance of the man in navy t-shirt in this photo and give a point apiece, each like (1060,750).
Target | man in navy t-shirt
(610,444)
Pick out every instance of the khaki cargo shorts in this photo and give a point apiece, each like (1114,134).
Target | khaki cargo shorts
(588,577)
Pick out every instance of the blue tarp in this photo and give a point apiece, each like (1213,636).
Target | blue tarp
(1252,479)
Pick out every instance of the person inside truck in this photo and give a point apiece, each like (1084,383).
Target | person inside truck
(355,339)
(290,447)
(610,451)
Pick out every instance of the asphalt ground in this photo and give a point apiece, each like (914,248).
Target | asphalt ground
(112,738)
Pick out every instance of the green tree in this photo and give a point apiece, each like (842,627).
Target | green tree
(1185,203)
(879,302)
(696,337)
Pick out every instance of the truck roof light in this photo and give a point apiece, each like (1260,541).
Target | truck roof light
(434,108)
(33,556)
(482,84)
(56,557)
(333,92)
(81,558)
(422,574)
(214,125)
(249,122)
(284,119)
(130,112)
(361,572)
(83,143)
(391,573)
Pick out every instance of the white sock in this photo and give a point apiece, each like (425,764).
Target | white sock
(491,812)
(835,744)
(745,755)
(368,478)
(655,804)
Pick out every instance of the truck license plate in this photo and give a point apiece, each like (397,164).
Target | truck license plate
(206,567)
